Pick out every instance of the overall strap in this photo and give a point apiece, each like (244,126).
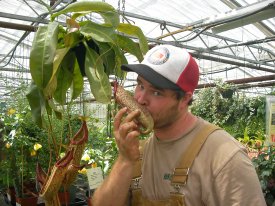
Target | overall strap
(180,175)
(137,169)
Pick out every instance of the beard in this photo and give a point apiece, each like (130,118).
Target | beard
(167,116)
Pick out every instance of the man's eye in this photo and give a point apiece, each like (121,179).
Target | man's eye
(140,86)
(156,93)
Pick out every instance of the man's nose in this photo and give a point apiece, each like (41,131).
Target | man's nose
(141,97)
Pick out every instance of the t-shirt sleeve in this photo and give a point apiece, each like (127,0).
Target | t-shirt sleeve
(237,182)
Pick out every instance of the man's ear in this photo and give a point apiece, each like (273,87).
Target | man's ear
(186,98)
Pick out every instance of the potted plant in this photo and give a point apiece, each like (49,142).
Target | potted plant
(19,135)
(21,171)
(264,163)
(6,186)
(23,179)
(62,58)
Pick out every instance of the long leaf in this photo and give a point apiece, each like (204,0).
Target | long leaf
(108,57)
(137,32)
(120,59)
(37,103)
(48,107)
(112,57)
(42,54)
(64,78)
(99,81)
(52,84)
(78,83)
(53,107)
(129,46)
(98,32)
(106,10)
(72,39)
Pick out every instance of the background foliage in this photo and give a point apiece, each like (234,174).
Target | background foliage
(240,115)
(244,118)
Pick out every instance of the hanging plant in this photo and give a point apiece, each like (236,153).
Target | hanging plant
(61,57)
(226,89)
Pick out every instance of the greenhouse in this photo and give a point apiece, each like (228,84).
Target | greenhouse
(197,79)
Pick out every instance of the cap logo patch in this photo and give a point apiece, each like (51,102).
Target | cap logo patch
(159,56)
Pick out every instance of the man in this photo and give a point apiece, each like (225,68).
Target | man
(218,172)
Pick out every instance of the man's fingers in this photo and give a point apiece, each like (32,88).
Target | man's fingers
(127,127)
(131,116)
(118,118)
(133,136)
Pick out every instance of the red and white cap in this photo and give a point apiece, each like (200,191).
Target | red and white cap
(168,67)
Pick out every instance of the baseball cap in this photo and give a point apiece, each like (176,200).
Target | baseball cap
(168,67)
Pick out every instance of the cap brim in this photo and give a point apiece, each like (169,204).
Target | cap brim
(151,76)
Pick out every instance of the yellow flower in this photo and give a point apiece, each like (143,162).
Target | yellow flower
(85,157)
(8,145)
(94,165)
(11,111)
(83,171)
(37,146)
(33,153)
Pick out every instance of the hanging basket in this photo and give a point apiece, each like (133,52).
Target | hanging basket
(227,93)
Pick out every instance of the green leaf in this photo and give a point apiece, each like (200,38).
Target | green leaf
(245,135)
(120,59)
(78,83)
(52,105)
(108,57)
(98,32)
(64,78)
(48,107)
(51,86)
(37,103)
(58,114)
(136,32)
(111,18)
(72,39)
(42,54)
(99,81)
(129,46)
(106,10)
(76,15)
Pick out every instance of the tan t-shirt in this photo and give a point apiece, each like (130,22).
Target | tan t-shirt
(221,175)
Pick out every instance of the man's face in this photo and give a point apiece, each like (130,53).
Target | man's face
(162,103)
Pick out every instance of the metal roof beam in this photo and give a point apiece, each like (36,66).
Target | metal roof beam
(24,18)
(185,27)
(43,16)
(199,53)
(269,78)
(232,4)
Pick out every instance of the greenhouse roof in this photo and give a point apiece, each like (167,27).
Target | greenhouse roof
(230,39)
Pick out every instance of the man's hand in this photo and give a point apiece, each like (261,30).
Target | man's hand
(126,132)
(116,185)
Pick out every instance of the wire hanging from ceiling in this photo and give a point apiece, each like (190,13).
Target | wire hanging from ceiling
(213,24)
